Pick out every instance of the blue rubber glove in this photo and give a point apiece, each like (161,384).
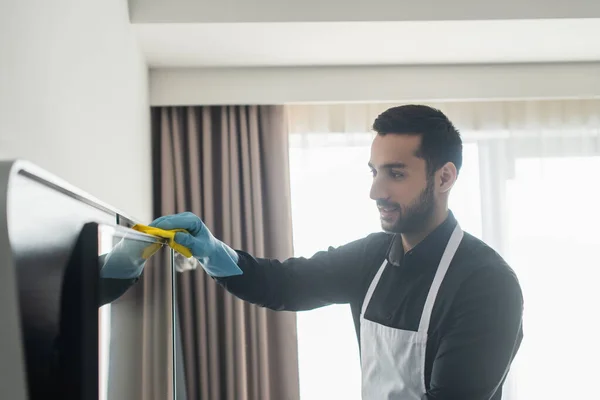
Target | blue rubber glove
(217,259)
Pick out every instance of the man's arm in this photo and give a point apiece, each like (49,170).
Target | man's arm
(475,353)
(332,276)
(328,277)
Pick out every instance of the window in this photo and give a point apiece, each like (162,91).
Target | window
(330,183)
(553,215)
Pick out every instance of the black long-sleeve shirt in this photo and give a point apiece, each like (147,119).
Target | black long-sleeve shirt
(476,323)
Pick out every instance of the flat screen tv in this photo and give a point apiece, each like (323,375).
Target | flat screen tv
(87,336)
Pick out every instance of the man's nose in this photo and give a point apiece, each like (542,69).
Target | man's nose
(378,190)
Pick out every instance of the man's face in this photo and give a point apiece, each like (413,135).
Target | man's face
(401,187)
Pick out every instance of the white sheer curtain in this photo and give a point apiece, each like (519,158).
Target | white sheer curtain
(529,188)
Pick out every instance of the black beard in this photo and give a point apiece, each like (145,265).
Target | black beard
(414,217)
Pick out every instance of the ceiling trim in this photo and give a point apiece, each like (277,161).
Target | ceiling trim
(212,11)
(202,86)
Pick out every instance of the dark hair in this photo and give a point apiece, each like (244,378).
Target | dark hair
(440,140)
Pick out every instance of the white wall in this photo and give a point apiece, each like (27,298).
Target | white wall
(172,86)
(74,97)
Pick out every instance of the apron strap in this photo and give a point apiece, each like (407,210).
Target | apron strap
(449,252)
(372,287)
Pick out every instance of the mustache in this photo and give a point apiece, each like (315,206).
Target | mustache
(387,204)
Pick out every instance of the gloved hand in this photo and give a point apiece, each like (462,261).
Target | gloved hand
(217,259)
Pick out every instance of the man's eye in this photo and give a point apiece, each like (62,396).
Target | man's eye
(397,174)
(373,172)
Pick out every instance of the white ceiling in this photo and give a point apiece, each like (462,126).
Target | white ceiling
(368,43)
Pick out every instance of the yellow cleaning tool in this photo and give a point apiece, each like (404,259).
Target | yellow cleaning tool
(165,234)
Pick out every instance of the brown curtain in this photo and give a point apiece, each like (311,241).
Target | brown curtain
(229,165)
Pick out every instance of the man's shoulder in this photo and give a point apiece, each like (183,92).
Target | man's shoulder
(367,251)
(375,242)
(484,265)
(379,238)
(378,243)
(476,251)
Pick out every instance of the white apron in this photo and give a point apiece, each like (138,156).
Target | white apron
(393,360)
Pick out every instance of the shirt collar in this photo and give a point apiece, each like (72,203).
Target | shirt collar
(430,249)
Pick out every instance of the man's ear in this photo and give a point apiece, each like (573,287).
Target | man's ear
(447,177)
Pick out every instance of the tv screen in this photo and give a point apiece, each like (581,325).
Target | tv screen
(137,317)
(112,336)
(71,330)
